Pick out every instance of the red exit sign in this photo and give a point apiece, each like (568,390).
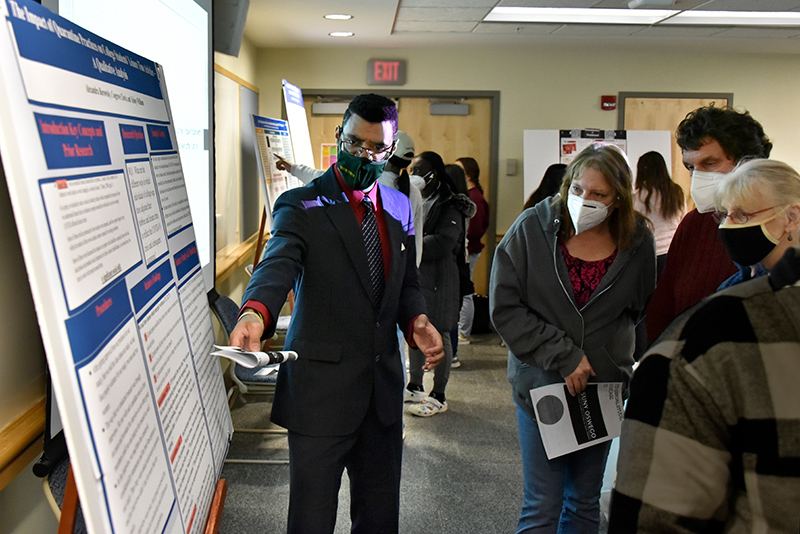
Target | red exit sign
(386,72)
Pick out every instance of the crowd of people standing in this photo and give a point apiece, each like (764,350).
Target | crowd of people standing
(603,268)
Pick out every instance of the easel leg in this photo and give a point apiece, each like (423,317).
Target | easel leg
(69,507)
(215,513)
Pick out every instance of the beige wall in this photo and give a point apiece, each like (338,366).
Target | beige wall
(553,88)
(246,68)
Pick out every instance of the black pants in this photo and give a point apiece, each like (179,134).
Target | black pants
(372,456)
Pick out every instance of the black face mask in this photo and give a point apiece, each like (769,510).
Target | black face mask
(747,245)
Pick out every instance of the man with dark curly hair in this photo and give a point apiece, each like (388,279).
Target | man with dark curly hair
(712,140)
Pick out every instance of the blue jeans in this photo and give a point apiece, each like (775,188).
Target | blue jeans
(561,495)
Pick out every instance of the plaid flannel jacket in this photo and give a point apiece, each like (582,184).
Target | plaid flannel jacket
(711,437)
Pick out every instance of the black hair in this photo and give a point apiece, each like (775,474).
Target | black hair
(436,162)
(372,108)
(551,183)
(737,132)
(472,170)
(652,176)
(458,177)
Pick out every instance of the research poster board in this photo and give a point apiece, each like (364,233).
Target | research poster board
(572,142)
(543,148)
(272,139)
(96,183)
(298,124)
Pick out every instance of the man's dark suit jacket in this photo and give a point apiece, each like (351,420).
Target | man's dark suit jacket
(346,344)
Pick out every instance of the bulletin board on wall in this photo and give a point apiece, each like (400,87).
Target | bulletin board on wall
(543,148)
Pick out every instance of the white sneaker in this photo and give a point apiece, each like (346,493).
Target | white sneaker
(463,340)
(428,407)
(414,396)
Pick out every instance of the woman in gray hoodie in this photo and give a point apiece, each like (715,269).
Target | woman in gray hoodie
(569,284)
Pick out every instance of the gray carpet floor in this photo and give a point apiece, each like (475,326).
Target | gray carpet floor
(461,469)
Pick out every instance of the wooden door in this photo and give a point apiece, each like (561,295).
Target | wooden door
(450,136)
(665,113)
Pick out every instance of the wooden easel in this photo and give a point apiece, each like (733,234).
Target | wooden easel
(69,507)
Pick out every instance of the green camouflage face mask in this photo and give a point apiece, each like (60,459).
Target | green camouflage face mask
(358,173)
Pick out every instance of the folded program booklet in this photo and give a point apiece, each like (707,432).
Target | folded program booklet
(568,423)
(250,359)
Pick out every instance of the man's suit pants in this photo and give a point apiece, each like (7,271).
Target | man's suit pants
(372,456)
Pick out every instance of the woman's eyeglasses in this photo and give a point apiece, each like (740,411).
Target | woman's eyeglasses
(738,216)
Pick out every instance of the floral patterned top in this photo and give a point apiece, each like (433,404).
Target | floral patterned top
(585,276)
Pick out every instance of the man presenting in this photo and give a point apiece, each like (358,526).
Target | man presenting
(346,246)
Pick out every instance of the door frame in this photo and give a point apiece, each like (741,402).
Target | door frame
(494,158)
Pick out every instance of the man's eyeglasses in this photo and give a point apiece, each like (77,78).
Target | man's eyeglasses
(354,148)
(738,216)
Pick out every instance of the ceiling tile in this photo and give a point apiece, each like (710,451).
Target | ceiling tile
(511,28)
(750,5)
(548,3)
(596,30)
(488,4)
(758,33)
(678,32)
(435,26)
(445,14)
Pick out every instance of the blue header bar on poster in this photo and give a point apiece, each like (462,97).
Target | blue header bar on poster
(274,126)
(69,142)
(159,138)
(150,286)
(132,139)
(93,326)
(186,260)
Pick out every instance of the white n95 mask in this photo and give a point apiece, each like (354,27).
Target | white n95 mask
(704,185)
(417,181)
(585,214)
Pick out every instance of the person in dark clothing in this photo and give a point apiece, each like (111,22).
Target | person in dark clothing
(438,275)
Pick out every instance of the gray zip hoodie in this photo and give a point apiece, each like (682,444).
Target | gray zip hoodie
(534,311)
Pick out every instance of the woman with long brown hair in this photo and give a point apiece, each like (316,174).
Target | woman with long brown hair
(659,199)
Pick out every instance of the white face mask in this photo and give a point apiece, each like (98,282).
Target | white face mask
(417,181)
(704,185)
(585,214)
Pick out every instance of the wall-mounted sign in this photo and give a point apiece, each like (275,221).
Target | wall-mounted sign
(386,72)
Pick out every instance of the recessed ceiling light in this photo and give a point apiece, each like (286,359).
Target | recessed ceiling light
(738,18)
(644,16)
(338,16)
(577,15)
(341,34)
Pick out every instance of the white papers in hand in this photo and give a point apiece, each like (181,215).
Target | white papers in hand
(568,423)
(250,359)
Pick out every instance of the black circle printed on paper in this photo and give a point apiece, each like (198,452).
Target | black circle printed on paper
(550,409)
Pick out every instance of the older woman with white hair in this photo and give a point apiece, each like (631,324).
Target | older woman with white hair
(759,215)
